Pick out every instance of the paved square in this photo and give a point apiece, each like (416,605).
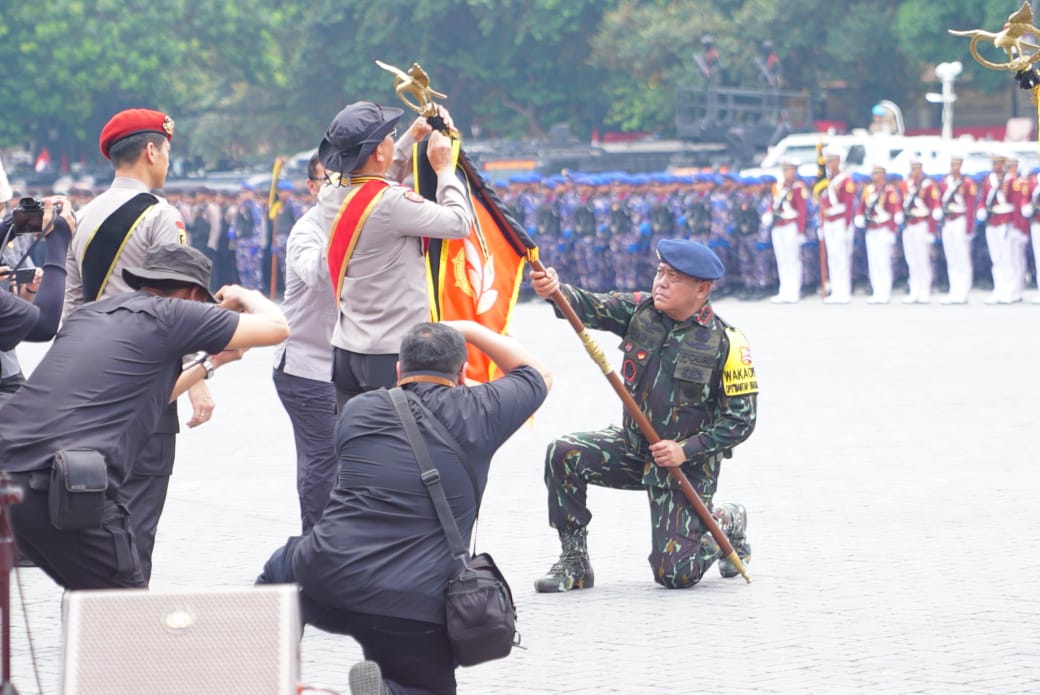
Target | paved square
(892,497)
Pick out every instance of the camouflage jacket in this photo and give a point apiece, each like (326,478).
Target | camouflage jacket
(674,371)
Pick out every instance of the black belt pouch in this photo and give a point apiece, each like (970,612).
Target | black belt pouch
(79,479)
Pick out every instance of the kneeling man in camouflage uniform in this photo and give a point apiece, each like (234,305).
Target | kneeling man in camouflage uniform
(691,374)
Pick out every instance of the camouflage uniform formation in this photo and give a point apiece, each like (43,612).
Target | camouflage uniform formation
(674,370)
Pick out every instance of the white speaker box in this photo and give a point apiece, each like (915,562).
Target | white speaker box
(219,642)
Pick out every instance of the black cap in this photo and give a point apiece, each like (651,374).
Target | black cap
(355,133)
(176,262)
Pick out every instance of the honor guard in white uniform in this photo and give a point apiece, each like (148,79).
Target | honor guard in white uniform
(787,220)
(837,206)
(997,211)
(920,207)
(881,213)
(957,212)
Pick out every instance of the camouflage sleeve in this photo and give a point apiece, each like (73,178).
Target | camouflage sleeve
(607,311)
(735,423)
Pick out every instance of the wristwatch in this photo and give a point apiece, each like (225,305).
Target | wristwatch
(207,364)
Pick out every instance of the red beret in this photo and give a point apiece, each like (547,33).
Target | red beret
(133,121)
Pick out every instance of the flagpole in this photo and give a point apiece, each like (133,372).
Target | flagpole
(274,206)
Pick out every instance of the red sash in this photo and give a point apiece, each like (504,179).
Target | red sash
(346,228)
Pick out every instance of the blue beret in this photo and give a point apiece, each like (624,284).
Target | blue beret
(246,186)
(895,177)
(1034,171)
(768,178)
(284,185)
(639,180)
(690,258)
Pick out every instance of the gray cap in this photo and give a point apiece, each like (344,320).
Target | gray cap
(176,262)
(355,133)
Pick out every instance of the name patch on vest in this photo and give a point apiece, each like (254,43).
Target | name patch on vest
(738,374)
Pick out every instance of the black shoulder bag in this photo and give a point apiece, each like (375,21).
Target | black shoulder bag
(481,616)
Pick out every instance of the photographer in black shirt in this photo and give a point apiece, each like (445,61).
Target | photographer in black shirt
(31,310)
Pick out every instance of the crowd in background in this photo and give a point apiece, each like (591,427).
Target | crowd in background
(599,230)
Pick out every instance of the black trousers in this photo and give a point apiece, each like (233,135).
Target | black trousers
(311,406)
(97,558)
(145,491)
(354,373)
(414,656)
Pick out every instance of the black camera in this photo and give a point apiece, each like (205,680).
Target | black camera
(27,218)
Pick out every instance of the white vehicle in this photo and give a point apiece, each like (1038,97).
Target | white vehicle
(863,152)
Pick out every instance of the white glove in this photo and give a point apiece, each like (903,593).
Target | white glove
(1027,210)
(859,221)
(898,218)
(937,215)
(981,215)
(767,219)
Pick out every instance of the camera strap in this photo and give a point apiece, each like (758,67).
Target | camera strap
(106,243)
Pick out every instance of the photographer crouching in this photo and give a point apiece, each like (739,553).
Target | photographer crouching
(31,310)
(71,434)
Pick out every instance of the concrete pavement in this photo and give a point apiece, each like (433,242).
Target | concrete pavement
(890,486)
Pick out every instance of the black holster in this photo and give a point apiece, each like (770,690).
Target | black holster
(79,481)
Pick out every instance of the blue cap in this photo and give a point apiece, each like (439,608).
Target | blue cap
(690,258)
(768,178)
(284,185)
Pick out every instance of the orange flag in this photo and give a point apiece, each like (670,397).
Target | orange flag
(476,278)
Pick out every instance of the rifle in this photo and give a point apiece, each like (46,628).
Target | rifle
(948,198)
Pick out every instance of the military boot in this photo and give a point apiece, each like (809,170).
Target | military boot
(572,570)
(732,520)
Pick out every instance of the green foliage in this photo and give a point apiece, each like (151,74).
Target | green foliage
(259,77)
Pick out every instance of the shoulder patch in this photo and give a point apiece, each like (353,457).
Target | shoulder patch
(182,235)
(738,373)
(414,196)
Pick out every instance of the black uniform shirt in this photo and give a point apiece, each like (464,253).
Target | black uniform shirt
(17,318)
(106,379)
(379,547)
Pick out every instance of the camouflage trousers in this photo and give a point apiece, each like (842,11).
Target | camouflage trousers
(681,548)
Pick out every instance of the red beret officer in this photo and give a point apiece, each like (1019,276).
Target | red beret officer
(131,122)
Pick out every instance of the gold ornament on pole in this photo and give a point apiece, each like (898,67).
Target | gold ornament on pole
(1011,38)
(1022,54)
(417,83)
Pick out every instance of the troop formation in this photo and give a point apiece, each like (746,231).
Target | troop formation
(879,232)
